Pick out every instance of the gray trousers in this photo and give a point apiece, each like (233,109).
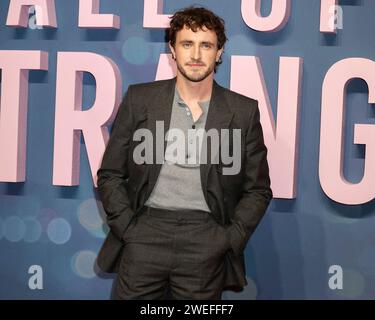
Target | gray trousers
(172,255)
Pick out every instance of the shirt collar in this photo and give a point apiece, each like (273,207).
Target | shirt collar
(180,102)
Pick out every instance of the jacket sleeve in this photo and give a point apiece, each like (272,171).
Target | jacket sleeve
(113,172)
(256,193)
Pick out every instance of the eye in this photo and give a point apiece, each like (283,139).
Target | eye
(206,45)
(186,45)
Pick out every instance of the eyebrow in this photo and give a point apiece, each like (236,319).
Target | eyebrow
(203,42)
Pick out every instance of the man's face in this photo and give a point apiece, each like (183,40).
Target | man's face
(196,53)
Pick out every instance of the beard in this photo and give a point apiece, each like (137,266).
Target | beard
(195,76)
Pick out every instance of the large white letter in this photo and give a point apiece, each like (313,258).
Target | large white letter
(152,15)
(18,13)
(281,138)
(166,67)
(89,16)
(327,16)
(276,20)
(331,155)
(15,66)
(70,120)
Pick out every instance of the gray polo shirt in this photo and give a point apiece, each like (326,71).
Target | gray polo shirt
(179,183)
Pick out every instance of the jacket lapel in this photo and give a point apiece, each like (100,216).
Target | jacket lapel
(159,110)
(219,117)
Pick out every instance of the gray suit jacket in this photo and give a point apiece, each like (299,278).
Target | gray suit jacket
(238,202)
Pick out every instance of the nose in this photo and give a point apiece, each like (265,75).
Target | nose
(196,54)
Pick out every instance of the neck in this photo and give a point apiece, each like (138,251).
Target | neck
(195,91)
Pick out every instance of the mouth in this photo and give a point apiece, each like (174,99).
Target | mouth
(195,65)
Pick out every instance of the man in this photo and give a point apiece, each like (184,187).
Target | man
(178,229)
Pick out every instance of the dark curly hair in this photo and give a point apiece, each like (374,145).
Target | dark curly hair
(197,18)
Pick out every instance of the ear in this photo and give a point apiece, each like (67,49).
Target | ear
(172,50)
(218,54)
